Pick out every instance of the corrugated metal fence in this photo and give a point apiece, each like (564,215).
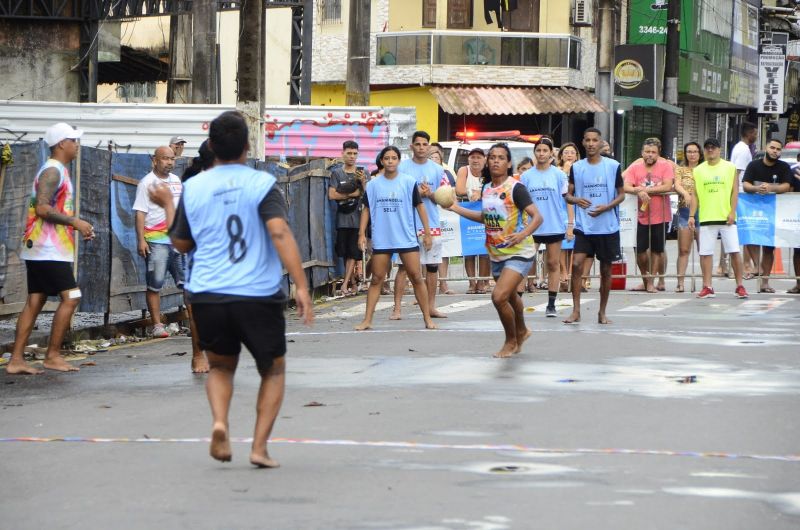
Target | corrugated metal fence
(110,272)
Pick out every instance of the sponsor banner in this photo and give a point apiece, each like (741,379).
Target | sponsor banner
(451,233)
(460,236)
(628,220)
(772,220)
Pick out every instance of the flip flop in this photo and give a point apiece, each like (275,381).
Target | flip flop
(794,290)
(679,289)
(768,290)
(641,289)
(471,291)
(749,276)
(660,289)
(480,291)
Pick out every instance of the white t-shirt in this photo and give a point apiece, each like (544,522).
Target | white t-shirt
(741,156)
(155,221)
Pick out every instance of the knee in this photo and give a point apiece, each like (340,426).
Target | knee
(71,299)
(415,277)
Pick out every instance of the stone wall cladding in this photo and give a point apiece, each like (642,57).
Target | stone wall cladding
(475,75)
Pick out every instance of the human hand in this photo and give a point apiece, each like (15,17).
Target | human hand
(144,248)
(731,218)
(515,239)
(305,308)
(425,189)
(86,229)
(474,196)
(427,241)
(570,233)
(594,212)
(643,196)
(583,203)
(691,223)
(160,194)
(362,242)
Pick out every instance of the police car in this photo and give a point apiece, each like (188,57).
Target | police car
(456,152)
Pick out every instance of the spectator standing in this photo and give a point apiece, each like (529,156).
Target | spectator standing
(768,175)
(346,187)
(741,156)
(151,232)
(177,143)
(568,154)
(468,188)
(596,187)
(684,186)
(715,197)
(650,179)
(48,249)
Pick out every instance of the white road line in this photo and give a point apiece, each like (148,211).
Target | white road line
(758,307)
(464,305)
(561,303)
(357,310)
(655,304)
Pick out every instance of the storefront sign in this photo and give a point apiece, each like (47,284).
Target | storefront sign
(648,22)
(771,73)
(639,70)
(707,81)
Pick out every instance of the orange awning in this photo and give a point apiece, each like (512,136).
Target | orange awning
(516,100)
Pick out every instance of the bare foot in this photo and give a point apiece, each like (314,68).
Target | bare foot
(22,368)
(430,325)
(59,364)
(601,319)
(652,290)
(365,325)
(509,349)
(437,314)
(220,448)
(573,318)
(263,460)
(200,364)
(522,338)
(396,315)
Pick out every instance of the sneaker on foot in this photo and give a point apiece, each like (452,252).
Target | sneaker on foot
(160,332)
(741,292)
(550,312)
(706,292)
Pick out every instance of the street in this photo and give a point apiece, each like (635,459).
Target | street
(681,414)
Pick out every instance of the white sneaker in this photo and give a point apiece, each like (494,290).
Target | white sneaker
(160,332)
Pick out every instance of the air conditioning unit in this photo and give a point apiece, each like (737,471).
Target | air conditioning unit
(582,13)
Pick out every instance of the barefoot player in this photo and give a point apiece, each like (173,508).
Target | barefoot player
(508,241)
(234,220)
(390,202)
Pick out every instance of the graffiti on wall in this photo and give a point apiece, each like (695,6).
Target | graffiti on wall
(323,137)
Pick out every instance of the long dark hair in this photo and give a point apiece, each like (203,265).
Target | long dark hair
(686,160)
(485,171)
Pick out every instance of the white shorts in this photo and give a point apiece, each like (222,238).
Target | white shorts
(432,256)
(729,235)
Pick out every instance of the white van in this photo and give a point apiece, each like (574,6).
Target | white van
(457,152)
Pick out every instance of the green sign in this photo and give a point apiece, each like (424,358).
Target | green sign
(648,22)
(702,79)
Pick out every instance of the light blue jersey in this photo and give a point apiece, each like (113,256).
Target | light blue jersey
(234,253)
(547,189)
(429,173)
(391,209)
(598,183)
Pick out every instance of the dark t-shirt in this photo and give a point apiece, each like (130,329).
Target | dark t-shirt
(796,177)
(758,172)
(350,219)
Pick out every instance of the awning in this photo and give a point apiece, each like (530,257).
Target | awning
(515,101)
(627,103)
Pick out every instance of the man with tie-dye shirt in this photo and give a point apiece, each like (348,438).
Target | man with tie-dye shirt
(151,233)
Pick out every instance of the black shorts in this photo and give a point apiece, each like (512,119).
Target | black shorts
(397,251)
(546,240)
(261,326)
(604,247)
(347,243)
(651,237)
(50,277)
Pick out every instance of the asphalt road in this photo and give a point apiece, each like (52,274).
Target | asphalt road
(682,414)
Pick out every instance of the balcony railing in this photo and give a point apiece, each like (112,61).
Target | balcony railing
(478,48)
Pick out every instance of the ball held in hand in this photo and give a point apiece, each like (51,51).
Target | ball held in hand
(445,196)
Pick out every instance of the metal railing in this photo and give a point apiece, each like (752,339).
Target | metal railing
(482,48)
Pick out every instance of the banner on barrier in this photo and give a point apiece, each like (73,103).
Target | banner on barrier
(771,220)
(460,236)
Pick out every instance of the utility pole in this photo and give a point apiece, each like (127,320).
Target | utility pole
(251,72)
(358,37)
(204,51)
(605,65)
(669,120)
(179,86)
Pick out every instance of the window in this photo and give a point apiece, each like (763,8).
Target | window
(331,11)
(459,14)
(428,13)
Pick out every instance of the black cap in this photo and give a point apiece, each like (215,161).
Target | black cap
(711,141)
(476,150)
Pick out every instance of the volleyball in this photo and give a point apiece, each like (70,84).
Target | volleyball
(445,196)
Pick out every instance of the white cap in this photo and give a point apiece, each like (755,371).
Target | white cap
(59,132)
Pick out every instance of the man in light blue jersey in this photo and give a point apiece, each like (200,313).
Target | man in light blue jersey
(429,176)
(596,187)
(233,219)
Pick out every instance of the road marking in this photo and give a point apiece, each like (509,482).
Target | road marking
(357,310)
(655,304)
(561,303)
(465,305)
(758,307)
(422,445)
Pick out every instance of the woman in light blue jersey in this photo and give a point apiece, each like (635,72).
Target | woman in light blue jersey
(547,186)
(389,204)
